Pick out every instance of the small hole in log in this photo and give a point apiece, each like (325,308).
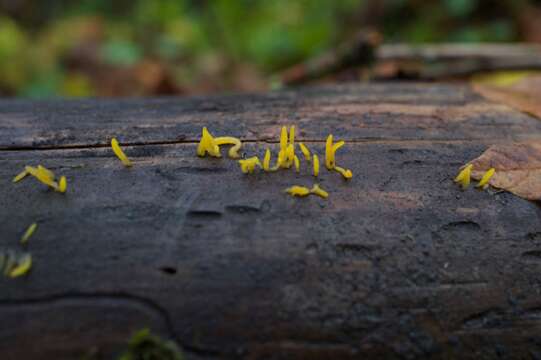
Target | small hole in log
(169,270)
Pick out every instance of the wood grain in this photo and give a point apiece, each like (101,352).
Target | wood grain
(397,263)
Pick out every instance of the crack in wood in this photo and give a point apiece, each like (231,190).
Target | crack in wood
(249,141)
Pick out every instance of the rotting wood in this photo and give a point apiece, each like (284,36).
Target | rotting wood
(398,262)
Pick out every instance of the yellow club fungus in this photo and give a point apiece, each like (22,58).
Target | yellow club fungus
(329,156)
(316,165)
(297,163)
(305,152)
(464,176)
(316,190)
(229,140)
(46,172)
(20,176)
(486,178)
(119,153)
(43,175)
(283,138)
(289,156)
(24,263)
(266,160)
(292,135)
(298,191)
(62,184)
(330,151)
(207,144)
(248,165)
(346,173)
(47,177)
(28,233)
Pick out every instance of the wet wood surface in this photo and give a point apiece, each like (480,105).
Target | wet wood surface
(396,263)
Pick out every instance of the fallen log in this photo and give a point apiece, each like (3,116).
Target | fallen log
(398,262)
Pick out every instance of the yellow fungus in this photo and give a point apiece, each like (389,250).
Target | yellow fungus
(207,144)
(20,176)
(346,173)
(248,165)
(276,166)
(46,172)
(329,156)
(28,233)
(62,184)
(337,146)
(330,151)
(316,190)
(23,266)
(292,135)
(266,160)
(43,175)
(486,178)
(283,138)
(119,153)
(229,140)
(297,163)
(464,176)
(305,152)
(298,191)
(289,156)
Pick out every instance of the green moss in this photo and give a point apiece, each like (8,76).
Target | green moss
(145,346)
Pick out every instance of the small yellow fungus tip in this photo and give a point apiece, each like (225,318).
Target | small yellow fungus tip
(28,233)
(298,191)
(20,176)
(266,160)
(24,263)
(208,145)
(486,178)
(316,165)
(346,173)
(297,163)
(464,176)
(283,139)
(229,140)
(292,135)
(119,153)
(305,152)
(248,165)
(62,184)
(316,190)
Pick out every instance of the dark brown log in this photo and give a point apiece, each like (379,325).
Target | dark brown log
(397,263)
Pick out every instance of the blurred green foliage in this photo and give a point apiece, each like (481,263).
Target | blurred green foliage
(92,47)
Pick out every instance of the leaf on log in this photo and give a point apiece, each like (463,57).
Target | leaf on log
(518,168)
(522,93)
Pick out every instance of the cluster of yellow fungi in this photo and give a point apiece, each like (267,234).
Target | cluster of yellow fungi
(211,145)
(286,159)
(45,176)
(464,177)
(13,264)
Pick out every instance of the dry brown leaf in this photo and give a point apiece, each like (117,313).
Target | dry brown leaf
(518,168)
(523,94)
